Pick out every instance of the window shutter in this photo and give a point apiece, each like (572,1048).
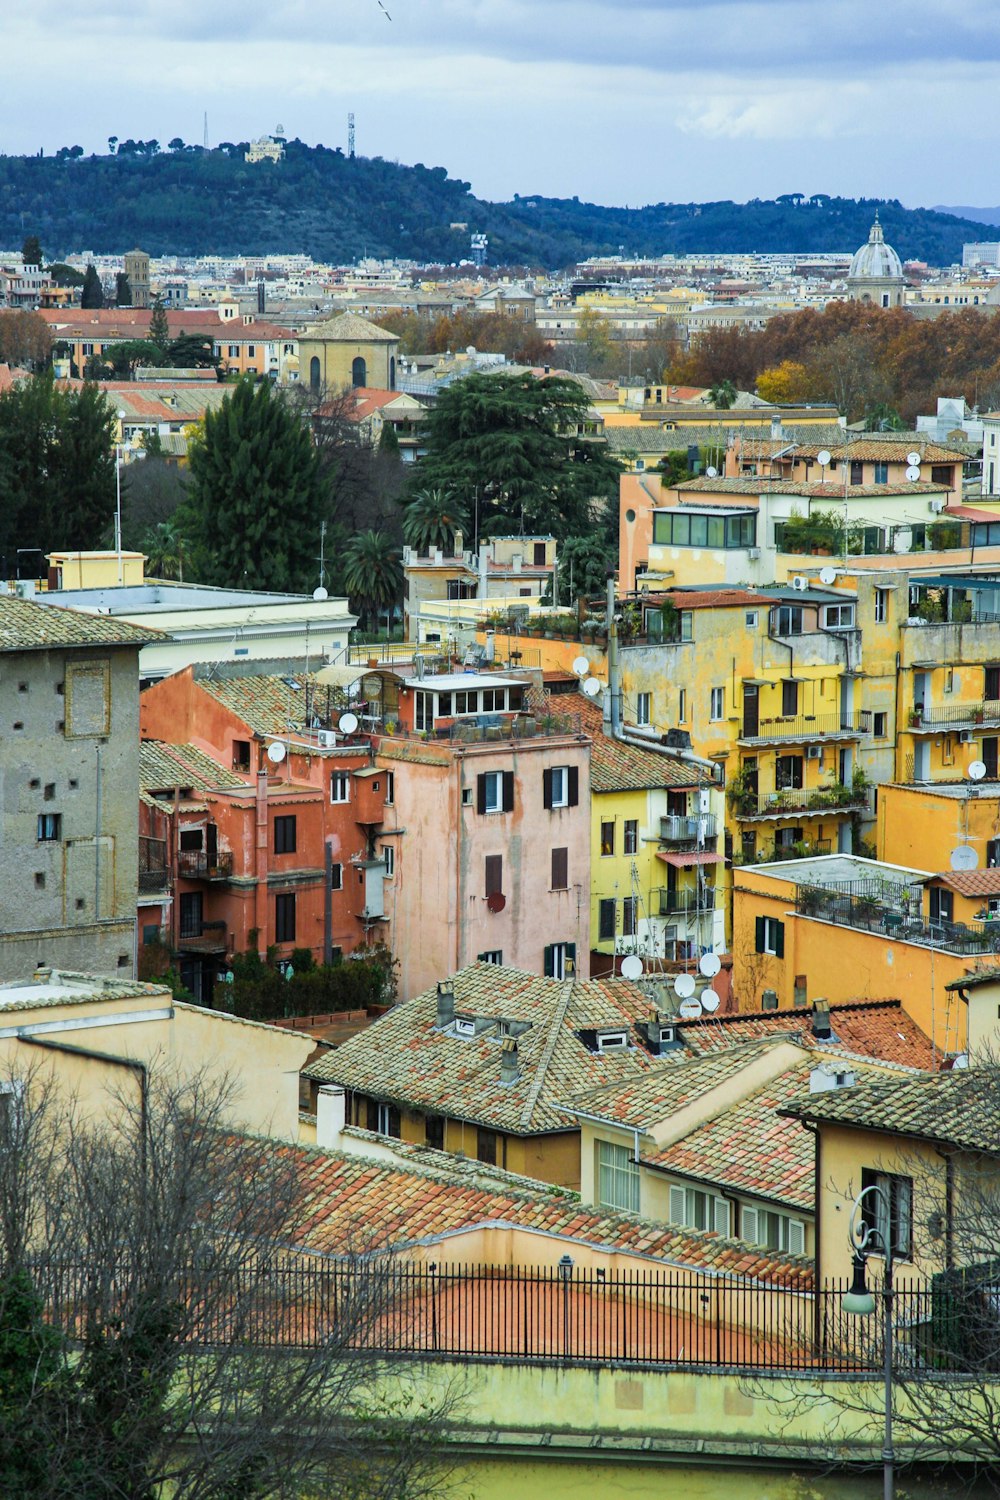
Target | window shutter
(560,869)
(748,1225)
(678,1206)
(373,1116)
(549,965)
(547,788)
(779,939)
(508,791)
(573,785)
(758,926)
(481,797)
(796,1237)
(570,959)
(494,874)
(720,1215)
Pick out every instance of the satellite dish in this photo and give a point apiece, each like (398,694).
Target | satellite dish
(320,594)
(632,967)
(684,985)
(347,723)
(963,857)
(710,1001)
(689,1010)
(823,457)
(913,473)
(913,458)
(581,666)
(711,472)
(828,575)
(497,901)
(710,964)
(276,752)
(976,770)
(592,686)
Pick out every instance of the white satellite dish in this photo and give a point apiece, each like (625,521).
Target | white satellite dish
(823,457)
(581,666)
(976,770)
(711,472)
(592,686)
(276,752)
(913,473)
(689,1010)
(963,857)
(913,458)
(320,594)
(347,723)
(827,575)
(710,1001)
(632,967)
(710,964)
(684,985)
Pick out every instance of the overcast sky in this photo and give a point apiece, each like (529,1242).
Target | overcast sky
(617,101)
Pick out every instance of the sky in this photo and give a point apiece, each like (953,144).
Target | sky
(614,101)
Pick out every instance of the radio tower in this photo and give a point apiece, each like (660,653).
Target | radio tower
(350,135)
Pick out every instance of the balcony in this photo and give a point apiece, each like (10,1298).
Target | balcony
(685,902)
(154,875)
(808,727)
(985,715)
(196,864)
(832,801)
(197,936)
(894,914)
(676,829)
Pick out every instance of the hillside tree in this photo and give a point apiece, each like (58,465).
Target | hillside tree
(159,328)
(31,251)
(92,293)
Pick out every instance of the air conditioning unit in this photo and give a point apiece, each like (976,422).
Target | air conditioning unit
(753,553)
(800,582)
(326,738)
(937,506)
(966,737)
(814,752)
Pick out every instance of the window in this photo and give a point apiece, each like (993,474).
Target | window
(857,471)
(234,351)
(340,786)
(561,786)
(889,1210)
(389,860)
(617,1178)
(606,920)
(629,912)
(284,834)
(191,914)
(150,933)
(336,877)
(491,956)
(787,838)
(697,1209)
(769,935)
(881,472)
(881,606)
(750,619)
(642,709)
(382,1119)
(466,796)
(560,960)
(718,703)
(494,875)
(839,616)
(40,880)
(608,838)
(941,474)
(284,918)
(49,828)
(50,791)
(241,755)
(991,683)
(880,725)
(251,350)
(686,625)
(787,619)
(630,838)
(788,773)
(434,1131)
(763,1226)
(390,788)
(495,791)
(789,698)
(682,699)
(191,839)
(486,1146)
(560,869)
(942,904)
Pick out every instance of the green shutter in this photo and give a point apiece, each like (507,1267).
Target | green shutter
(573,797)
(549,966)
(779,939)
(758,928)
(508,791)
(547,788)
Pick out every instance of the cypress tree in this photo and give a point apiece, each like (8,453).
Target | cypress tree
(159,328)
(92,294)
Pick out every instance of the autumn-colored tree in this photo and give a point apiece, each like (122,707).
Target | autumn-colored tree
(24,339)
(784,384)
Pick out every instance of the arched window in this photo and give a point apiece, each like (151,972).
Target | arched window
(392,372)
(359,372)
(314,373)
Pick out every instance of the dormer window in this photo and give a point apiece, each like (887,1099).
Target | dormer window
(465,1026)
(612,1041)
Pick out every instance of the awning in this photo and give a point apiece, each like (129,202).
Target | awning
(693,857)
(337,675)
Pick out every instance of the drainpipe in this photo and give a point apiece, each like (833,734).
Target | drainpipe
(654,742)
(614,679)
(260,891)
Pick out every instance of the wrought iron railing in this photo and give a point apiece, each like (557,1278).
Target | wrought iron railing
(808,727)
(676,902)
(830,800)
(154,874)
(896,920)
(675,829)
(957,715)
(196,864)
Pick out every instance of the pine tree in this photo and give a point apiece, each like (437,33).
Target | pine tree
(31,251)
(123,292)
(92,294)
(159,328)
(256,500)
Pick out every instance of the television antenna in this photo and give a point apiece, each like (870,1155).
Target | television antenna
(710,1001)
(592,686)
(689,1009)
(976,770)
(963,858)
(913,473)
(581,666)
(684,986)
(347,723)
(913,459)
(828,575)
(632,967)
(276,752)
(711,472)
(710,964)
(823,458)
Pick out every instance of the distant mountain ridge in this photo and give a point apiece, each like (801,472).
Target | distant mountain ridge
(197,202)
(990,216)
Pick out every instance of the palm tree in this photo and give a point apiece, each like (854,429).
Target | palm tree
(722,394)
(431,519)
(164,549)
(372,572)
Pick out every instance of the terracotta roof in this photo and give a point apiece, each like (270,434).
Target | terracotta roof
(26,625)
(345,1197)
(885,449)
(720,599)
(107,323)
(957,1107)
(267,704)
(348,328)
(677,1080)
(406,1059)
(163,767)
(863,1028)
(972,882)
(830,491)
(616,766)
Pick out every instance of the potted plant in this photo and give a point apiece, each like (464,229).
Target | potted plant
(915,715)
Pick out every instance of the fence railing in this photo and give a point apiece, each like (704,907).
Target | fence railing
(671,902)
(830,800)
(676,829)
(153,871)
(896,920)
(958,715)
(576,1315)
(808,727)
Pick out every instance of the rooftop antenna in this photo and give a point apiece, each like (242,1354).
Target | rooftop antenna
(350,135)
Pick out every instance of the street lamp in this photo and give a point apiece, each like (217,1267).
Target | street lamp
(565,1269)
(866,1238)
(118,495)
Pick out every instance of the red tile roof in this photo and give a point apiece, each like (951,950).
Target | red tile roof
(719,599)
(866,1028)
(616,766)
(972,882)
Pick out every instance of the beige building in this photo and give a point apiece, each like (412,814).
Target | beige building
(137,272)
(347,351)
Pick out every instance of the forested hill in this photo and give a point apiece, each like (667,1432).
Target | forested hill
(197,202)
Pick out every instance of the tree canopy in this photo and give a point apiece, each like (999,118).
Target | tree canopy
(92,293)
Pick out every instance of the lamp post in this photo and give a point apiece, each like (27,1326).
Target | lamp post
(118,496)
(866,1238)
(565,1276)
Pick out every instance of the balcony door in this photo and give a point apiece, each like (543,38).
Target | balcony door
(751,710)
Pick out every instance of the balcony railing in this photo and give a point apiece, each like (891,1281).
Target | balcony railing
(154,875)
(831,801)
(195,864)
(676,829)
(954,716)
(842,726)
(892,919)
(677,903)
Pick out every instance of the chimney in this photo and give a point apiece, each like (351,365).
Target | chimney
(331,1115)
(776,432)
(446,1005)
(42,974)
(825,1077)
(769,1000)
(459,546)
(822,1030)
(509,1071)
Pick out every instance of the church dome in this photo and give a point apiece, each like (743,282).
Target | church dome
(875,261)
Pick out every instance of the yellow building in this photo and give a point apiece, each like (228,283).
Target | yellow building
(347,351)
(95,570)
